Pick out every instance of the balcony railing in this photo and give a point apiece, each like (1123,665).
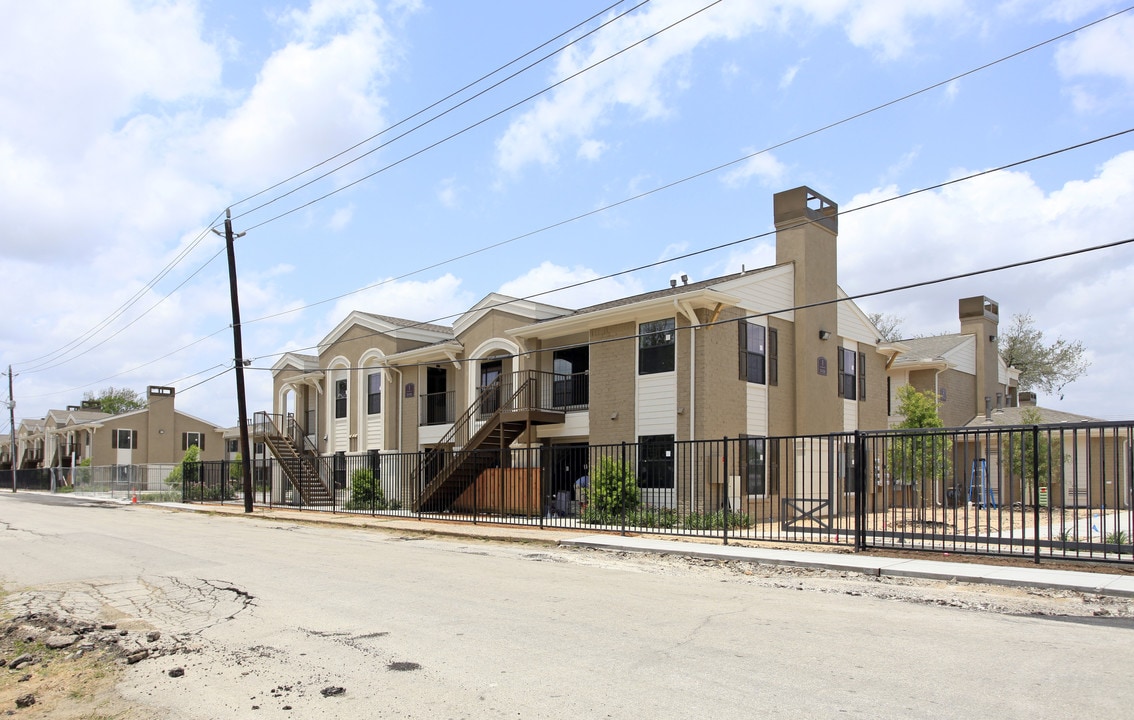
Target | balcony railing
(438,408)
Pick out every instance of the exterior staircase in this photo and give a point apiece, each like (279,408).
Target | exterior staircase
(508,408)
(301,465)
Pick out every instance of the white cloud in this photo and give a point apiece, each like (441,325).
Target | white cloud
(548,276)
(1104,51)
(788,76)
(312,96)
(438,301)
(591,149)
(764,166)
(994,221)
(447,193)
(638,84)
(341,217)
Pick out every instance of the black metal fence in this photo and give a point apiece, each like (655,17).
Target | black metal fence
(1042,491)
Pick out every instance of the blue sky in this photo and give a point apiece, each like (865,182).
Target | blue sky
(126,129)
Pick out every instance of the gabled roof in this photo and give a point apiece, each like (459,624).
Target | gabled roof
(934,350)
(534,311)
(296,361)
(386,325)
(1015,416)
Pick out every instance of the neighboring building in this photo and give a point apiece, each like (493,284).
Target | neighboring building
(155,434)
(726,357)
(965,369)
(5,451)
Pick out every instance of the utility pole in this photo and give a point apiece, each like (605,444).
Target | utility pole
(12,437)
(241,403)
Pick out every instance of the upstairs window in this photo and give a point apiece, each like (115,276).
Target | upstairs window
(656,347)
(752,352)
(848,380)
(340,398)
(374,393)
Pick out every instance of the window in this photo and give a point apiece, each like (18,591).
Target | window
(125,439)
(848,384)
(655,347)
(773,357)
(655,461)
(755,466)
(571,366)
(752,352)
(189,439)
(374,393)
(233,446)
(340,398)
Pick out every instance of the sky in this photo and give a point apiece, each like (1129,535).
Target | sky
(520,147)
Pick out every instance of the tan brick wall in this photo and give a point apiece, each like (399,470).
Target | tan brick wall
(872,411)
(781,397)
(960,397)
(721,394)
(613,368)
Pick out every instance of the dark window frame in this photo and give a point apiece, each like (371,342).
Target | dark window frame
(199,436)
(656,462)
(340,399)
(131,439)
(753,352)
(847,377)
(773,356)
(657,346)
(755,471)
(373,398)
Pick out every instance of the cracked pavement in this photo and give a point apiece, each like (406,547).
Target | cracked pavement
(345,622)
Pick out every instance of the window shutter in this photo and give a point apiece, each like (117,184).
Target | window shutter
(201,439)
(773,357)
(184,441)
(133,439)
(839,353)
(114,439)
(742,347)
(861,376)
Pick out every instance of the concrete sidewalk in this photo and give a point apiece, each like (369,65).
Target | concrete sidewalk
(961,571)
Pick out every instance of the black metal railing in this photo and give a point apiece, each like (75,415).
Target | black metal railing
(438,408)
(1038,491)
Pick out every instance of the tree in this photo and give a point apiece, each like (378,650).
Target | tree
(889,326)
(918,458)
(1025,447)
(116,400)
(1042,367)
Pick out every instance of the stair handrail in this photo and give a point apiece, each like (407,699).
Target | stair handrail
(321,464)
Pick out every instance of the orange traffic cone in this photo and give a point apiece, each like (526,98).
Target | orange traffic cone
(134,499)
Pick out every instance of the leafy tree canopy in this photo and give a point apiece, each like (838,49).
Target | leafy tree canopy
(116,400)
(1042,366)
(919,409)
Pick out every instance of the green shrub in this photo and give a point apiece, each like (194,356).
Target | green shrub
(366,492)
(716,521)
(1118,537)
(612,492)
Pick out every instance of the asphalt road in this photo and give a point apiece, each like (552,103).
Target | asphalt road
(438,628)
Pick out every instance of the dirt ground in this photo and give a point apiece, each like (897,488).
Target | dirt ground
(78,682)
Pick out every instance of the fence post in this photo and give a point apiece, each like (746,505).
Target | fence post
(727,499)
(421,481)
(1036,489)
(622,493)
(859,491)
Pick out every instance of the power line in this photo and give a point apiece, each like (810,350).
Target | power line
(477,124)
(692,177)
(766,313)
(137,297)
(757,236)
(128,304)
(435,104)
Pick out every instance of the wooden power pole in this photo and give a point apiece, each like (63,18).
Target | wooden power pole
(238,350)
